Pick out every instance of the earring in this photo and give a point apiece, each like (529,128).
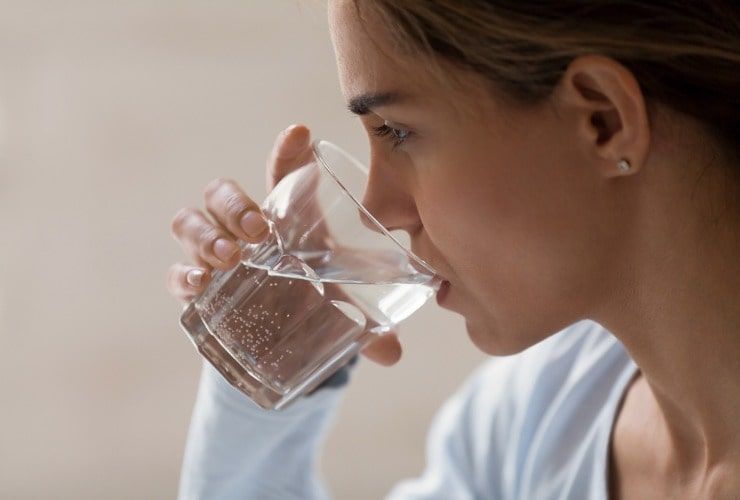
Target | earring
(624,166)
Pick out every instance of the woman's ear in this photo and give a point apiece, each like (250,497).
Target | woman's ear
(608,108)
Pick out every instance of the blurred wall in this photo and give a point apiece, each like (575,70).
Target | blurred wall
(112,116)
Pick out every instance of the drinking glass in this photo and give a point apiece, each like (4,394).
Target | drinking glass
(327,280)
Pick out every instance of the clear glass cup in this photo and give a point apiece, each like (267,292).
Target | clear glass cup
(328,279)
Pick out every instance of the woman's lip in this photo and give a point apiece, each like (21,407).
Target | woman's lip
(444,289)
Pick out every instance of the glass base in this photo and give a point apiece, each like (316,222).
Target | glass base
(235,374)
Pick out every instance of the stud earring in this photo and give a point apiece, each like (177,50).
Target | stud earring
(624,166)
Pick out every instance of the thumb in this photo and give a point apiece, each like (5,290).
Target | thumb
(292,149)
(385,350)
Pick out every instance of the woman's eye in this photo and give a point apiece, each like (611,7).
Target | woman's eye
(396,135)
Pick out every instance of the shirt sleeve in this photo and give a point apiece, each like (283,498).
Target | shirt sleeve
(235,449)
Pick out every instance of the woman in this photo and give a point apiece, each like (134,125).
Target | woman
(587,154)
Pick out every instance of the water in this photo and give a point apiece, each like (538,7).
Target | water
(282,322)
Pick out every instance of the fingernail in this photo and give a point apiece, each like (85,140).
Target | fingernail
(290,129)
(293,143)
(224,249)
(195,277)
(253,224)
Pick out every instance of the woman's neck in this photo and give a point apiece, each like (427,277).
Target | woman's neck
(679,317)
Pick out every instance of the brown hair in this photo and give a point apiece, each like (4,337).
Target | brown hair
(685,54)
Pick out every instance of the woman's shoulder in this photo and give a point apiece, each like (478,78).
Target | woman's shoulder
(533,409)
(583,354)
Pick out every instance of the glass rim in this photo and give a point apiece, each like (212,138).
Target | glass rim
(322,161)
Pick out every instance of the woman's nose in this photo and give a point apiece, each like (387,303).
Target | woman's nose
(389,200)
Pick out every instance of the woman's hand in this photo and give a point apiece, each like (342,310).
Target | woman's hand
(211,242)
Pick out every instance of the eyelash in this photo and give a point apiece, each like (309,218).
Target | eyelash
(384,131)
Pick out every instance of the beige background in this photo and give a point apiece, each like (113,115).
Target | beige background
(112,116)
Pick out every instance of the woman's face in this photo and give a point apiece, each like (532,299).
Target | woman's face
(501,200)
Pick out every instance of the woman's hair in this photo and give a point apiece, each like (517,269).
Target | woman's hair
(684,54)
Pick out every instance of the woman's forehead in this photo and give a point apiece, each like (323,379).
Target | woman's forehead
(369,63)
(365,58)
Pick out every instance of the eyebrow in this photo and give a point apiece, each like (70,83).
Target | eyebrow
(363,104)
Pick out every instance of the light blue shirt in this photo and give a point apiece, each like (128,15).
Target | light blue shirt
(535,425)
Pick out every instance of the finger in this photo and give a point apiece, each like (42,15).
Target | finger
(292,149)
(234,210)
(203,241)
(385,350)
(185,281)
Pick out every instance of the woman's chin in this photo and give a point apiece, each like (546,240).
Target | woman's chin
(496,343)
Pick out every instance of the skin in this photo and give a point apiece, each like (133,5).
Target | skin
(526,213)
